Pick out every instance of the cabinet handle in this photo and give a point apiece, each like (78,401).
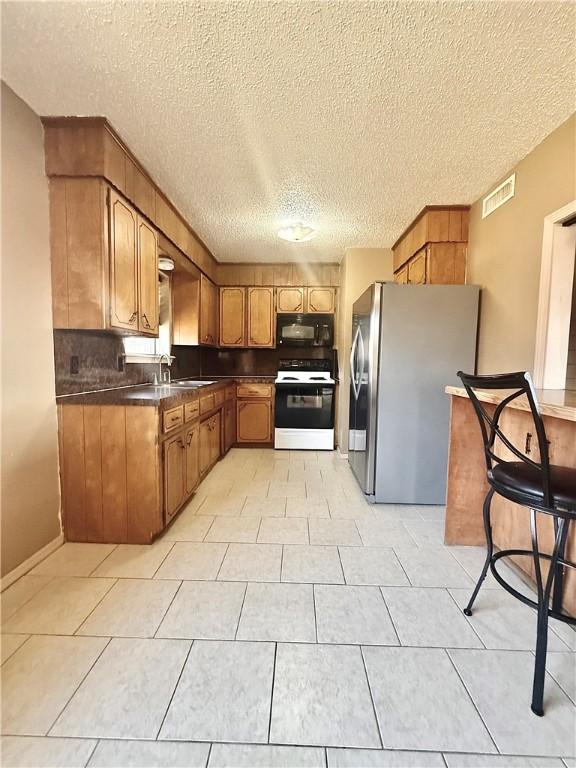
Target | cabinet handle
(527,448)
(133,318)
(189,440)
(182,444)
(146,320)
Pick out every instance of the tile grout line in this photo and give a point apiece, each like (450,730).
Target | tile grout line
(399,561)
(467,618)
(75,691)
(241,608)
(390,613)
(175,689)
(170,603)
(315,614)
(91,755)
(220,566)
(341,566)
(209,755)
(488,731)
(272,691)
(163,559)
(374,710)
(85,619)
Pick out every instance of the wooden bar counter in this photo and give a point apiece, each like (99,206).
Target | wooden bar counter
(467,484)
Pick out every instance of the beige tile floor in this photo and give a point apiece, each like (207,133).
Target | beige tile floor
(280,621)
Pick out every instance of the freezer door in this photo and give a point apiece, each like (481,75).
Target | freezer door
(364,387)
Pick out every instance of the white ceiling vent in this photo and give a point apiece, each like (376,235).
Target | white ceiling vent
(499,196)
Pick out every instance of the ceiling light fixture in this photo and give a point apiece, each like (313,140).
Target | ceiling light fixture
(297,233)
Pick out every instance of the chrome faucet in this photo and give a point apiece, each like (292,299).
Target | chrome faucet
(164,377)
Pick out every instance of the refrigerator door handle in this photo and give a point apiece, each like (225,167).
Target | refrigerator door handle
(352,370)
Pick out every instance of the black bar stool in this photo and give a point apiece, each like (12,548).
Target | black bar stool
(542,488)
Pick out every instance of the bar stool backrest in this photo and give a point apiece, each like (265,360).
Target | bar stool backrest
(515,385)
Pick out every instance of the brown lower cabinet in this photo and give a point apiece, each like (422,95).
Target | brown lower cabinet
(254,421)
(210,441)
(126,471)
(192,457)
(181,469)
(174,475)
(229,425)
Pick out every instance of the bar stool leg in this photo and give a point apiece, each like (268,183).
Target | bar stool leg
(558,589)
(489,550)
(543,610)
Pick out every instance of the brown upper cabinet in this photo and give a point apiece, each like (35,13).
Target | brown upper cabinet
(321,300)
(133,269)
(260,317)
(433,248)
(208,334)
(301,299)
(246,317)
(89,148)
(290,299)
(232,317)
(104,259)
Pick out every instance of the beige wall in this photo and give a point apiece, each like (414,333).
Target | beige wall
(505,250)
(360,268)
(30,489)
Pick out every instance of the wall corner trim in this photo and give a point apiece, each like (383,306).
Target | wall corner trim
(31,562)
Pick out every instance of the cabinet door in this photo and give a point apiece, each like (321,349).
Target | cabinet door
(290,299)
(205,444)
(417,268)
(232,317)
(192,458)
(229,425)
(123,264)
(216,428)
(208,312)
(174,475)
(401,276)
(446,263)
(321,300)
(147,279)
(260,317)
(254,421)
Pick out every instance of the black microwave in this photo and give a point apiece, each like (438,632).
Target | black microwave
(304,330)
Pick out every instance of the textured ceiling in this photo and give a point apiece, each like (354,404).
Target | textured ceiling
(348,115)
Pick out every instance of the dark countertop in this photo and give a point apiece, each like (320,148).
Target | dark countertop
(162,397)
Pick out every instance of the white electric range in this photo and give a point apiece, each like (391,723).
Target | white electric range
(304,412)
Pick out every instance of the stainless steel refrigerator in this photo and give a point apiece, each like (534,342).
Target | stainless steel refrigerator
(408,342)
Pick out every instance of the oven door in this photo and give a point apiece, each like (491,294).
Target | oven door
(304,406)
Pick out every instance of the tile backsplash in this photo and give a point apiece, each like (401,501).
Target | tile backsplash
(100,356)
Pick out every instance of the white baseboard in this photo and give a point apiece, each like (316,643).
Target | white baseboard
(30,562)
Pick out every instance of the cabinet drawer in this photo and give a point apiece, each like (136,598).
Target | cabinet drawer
(218,398)
(207,403)
(230,392)
(173,418)
(254,390)
(191,410)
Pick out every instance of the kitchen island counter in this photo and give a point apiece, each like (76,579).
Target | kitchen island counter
(468,486)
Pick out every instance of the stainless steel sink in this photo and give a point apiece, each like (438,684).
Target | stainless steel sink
(190,384)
